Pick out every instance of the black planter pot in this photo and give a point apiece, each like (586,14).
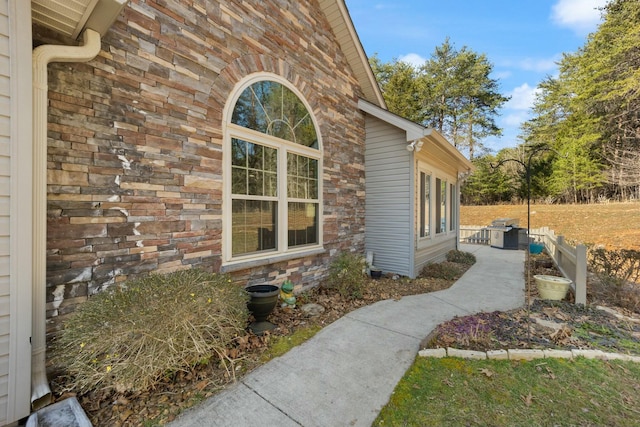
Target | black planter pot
(263,299)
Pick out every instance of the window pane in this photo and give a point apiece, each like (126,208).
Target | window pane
(425,205)
(313,188)
(239,152)
(443,206)
(249,112)
(256,182)
(270,159)
(281,129)
(292,178)
(452,206)
(303,166)
(313,179)
(305,132)
(250,161)
(302,179)
(270,184)
(273,109)
(253,226)
(238,180)
(303,223)
(255,156)
(439,228)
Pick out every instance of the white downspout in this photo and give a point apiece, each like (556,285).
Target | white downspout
(42,56)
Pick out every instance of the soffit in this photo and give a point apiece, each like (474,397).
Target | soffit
(70,17)
(66,17)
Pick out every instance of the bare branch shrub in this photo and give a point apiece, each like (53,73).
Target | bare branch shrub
(461,257)
(620,265)
(442,270)
(132,336)
(618,272)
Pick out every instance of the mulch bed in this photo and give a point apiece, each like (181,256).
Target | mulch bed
(184,389)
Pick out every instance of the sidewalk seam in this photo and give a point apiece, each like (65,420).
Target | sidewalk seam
(270,403)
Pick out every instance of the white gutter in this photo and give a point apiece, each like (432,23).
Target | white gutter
(42,56)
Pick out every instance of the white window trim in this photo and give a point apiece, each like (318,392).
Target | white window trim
(423,169)
(230,130)
(433,237)
(444,180)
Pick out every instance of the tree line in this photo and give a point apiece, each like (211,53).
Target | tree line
(584,126)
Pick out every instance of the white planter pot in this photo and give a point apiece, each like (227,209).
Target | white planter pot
(552,287)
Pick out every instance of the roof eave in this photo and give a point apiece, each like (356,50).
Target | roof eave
(338,16)
(418,132)
(433,136)
(71,19)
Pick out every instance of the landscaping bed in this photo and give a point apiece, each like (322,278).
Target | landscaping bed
(561,325)
(183,389)
(545,324)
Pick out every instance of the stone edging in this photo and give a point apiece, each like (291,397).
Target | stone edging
(525,354)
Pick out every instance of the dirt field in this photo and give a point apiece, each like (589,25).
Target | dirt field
(616,225)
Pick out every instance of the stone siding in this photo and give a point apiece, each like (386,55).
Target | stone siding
(135,142)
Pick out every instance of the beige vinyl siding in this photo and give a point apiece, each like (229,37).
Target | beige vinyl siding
(5,194)
(15,210)
(388,211)
(436,251)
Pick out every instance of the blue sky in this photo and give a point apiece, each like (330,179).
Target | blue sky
(523,39)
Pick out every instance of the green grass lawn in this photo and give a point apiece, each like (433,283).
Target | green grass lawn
(544,392)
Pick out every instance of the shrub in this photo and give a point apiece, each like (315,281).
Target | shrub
(619,274)
(623,265)
(442,270)
(130,337)
(346,275)
(461,257)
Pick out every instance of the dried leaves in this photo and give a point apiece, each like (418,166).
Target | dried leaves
(548,324)
(528,399)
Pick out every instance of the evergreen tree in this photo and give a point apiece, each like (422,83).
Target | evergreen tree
(590,113)
(400,87)
(452,93)
(461,100)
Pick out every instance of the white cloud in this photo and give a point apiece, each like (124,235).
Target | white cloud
(539,65)
(522,97)
(515,119)
(581,16)
(413,59)
(499,75)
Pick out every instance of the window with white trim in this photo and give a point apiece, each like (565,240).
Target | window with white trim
(274,173)
(441,205)
(425,204)
(453,196)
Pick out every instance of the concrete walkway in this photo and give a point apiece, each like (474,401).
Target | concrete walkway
(346,373)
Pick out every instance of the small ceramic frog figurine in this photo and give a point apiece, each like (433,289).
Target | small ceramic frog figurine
(286,294)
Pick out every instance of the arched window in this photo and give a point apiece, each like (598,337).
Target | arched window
(272,108)
(274,171)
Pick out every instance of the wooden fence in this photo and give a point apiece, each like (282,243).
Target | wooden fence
(571,261)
